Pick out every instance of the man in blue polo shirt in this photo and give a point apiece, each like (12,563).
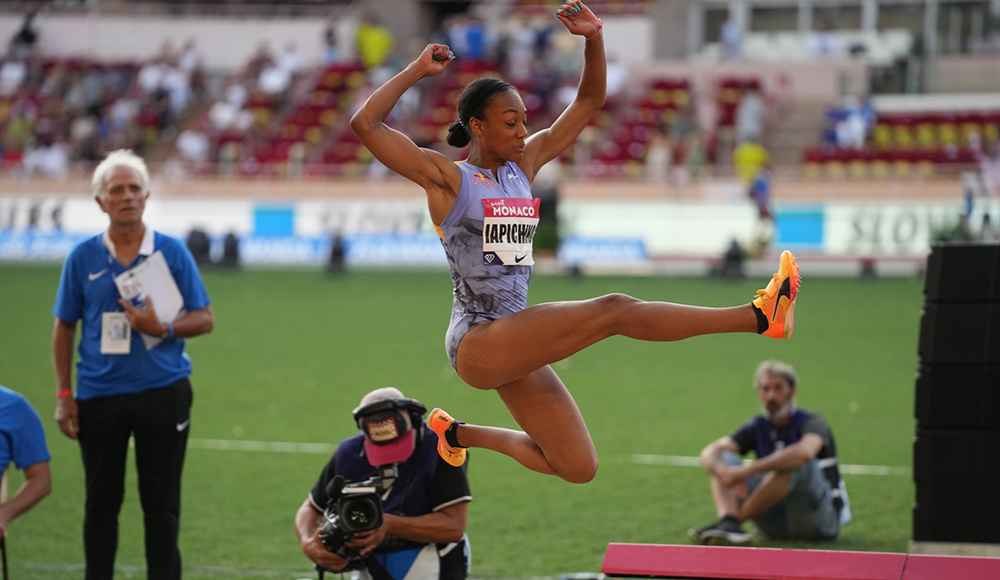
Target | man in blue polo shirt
(123,388)
(793,490)
(22,441)
(422,536)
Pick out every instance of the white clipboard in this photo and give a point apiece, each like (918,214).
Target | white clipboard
(153,277)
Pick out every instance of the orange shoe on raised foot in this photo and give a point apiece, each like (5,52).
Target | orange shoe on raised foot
(775,305)
(441,423)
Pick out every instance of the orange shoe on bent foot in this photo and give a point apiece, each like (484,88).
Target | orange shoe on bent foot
(777,302)
(440,422)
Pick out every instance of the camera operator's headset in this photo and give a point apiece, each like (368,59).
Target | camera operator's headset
(414,408)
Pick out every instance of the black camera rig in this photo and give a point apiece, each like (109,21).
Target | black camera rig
(353,508)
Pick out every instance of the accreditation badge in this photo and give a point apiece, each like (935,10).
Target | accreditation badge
(116,334)
(509,226)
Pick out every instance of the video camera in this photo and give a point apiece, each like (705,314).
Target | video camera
(354,508)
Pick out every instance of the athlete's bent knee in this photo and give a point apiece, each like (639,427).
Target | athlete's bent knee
(582,471)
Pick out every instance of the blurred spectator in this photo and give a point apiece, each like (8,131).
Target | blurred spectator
(732,40)
(522,52)
(686,123)
(706,112)
(695,154)
(23,445)
(617,77)
(566,92)
(374,42)
(82,129)
(566,57)
(12,74)
(476,39)
(749,158)
(193,143)
(86,93)
(151,75)
(47,158)
(236,94)
(658,154)
(544,31)
(22,44)
(189,61)
(962,231)
(227,112)
(988,233)
(331,48)
(760,193)
(290,59)
(274,80)
(750,117)
(456,35)
(260,60)
(126,109)
(989,168)
(822,42)
(176,84)
(856,120)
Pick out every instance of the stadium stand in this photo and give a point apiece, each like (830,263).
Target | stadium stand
(880,48)
(909,136)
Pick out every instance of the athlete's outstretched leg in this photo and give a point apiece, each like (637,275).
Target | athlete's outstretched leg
(555,440)
(504,350)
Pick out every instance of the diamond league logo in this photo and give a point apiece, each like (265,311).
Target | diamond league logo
(489,257)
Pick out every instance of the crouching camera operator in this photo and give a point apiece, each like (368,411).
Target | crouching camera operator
(419,524)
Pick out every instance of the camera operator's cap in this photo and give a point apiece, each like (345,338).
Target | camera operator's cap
(388,432)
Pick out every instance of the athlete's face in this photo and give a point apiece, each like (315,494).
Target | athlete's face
(124,197)
(776,398)
(502,131)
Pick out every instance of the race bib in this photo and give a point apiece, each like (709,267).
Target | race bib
(116,333)
(508,229)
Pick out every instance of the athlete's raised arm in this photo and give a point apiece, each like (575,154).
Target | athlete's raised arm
(427,168)
(548,144)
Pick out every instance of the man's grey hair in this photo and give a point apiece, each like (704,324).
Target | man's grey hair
(119,158)
(775,368)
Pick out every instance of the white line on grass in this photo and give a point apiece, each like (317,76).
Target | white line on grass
(847,469)
(639,459)
(267,446)
(131,569)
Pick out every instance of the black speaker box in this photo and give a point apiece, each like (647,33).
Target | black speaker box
(956,474)
(960,333)
(958,397)
(963,272)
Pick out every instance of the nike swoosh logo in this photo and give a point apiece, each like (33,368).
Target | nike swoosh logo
(786,291)
(183,426)
(517,259)
(96,275)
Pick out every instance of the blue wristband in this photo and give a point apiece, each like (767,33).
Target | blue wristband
(170,332)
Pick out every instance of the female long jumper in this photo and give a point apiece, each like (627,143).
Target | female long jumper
(484,212)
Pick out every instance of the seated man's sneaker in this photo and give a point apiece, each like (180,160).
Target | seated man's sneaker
(726,532)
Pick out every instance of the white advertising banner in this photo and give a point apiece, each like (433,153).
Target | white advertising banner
(388,231)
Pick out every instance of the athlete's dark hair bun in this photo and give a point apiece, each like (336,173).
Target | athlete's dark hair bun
(458,136)
(472,105)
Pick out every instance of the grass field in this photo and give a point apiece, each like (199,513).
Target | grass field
(293,352)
